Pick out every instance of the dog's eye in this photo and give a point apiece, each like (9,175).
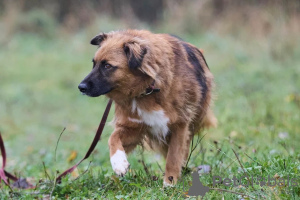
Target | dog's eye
(107,66)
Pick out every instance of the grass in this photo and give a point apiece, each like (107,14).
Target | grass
(257,105)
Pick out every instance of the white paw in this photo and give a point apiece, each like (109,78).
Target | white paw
(119,163)
(166,184)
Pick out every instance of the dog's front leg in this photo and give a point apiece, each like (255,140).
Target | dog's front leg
(122,141)
(176,154)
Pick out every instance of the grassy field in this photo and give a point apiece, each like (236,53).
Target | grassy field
(257,105)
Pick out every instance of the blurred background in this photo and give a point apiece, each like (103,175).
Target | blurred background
(252,47)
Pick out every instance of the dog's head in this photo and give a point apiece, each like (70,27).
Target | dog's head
(119,66)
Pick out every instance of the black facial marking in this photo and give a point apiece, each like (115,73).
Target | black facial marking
(96,83)
(98,39)
(134,61)
(197,66)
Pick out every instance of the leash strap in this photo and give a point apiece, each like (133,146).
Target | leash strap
(3,173)
(3,153)
(5,176)
(94,143)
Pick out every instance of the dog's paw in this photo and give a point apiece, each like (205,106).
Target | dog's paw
(119,163)
(169,181)
(167,184)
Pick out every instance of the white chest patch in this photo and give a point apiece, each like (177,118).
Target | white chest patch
(156,119)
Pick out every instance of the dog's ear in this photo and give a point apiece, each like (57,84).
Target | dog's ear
(135,53)
(98,39)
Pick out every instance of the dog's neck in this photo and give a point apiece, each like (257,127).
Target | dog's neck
(149,90)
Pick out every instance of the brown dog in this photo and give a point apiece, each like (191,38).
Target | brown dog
(162,89)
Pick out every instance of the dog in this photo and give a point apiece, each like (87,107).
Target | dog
(162,89)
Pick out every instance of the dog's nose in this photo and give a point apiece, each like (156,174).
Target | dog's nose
(82,87)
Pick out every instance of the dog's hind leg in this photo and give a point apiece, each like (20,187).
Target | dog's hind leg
(121,142)
(209,120)
(176,154)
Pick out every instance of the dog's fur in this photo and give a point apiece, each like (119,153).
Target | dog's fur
(125,65)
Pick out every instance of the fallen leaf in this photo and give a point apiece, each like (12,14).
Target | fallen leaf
(72,156)
(75,173)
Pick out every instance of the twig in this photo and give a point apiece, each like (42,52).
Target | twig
(229,164)
(159,167)
(232,142)
(243,169)
(36,186)
(46,173)
(145,167)
(199,153)
(203,155)
(58,142)
(54,184)
(85,171)
(193,148)
(11,190)
(219,150)
(252,159)
(230,191)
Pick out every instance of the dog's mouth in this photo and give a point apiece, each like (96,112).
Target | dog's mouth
(95,94)
(86,89)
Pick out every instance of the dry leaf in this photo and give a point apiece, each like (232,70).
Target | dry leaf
(72,156)
(75,173)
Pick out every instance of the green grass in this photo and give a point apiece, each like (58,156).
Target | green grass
(257,97)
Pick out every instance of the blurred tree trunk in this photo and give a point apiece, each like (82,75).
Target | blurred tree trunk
(218,6)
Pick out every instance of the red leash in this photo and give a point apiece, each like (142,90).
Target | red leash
(94,143)
(4,175)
